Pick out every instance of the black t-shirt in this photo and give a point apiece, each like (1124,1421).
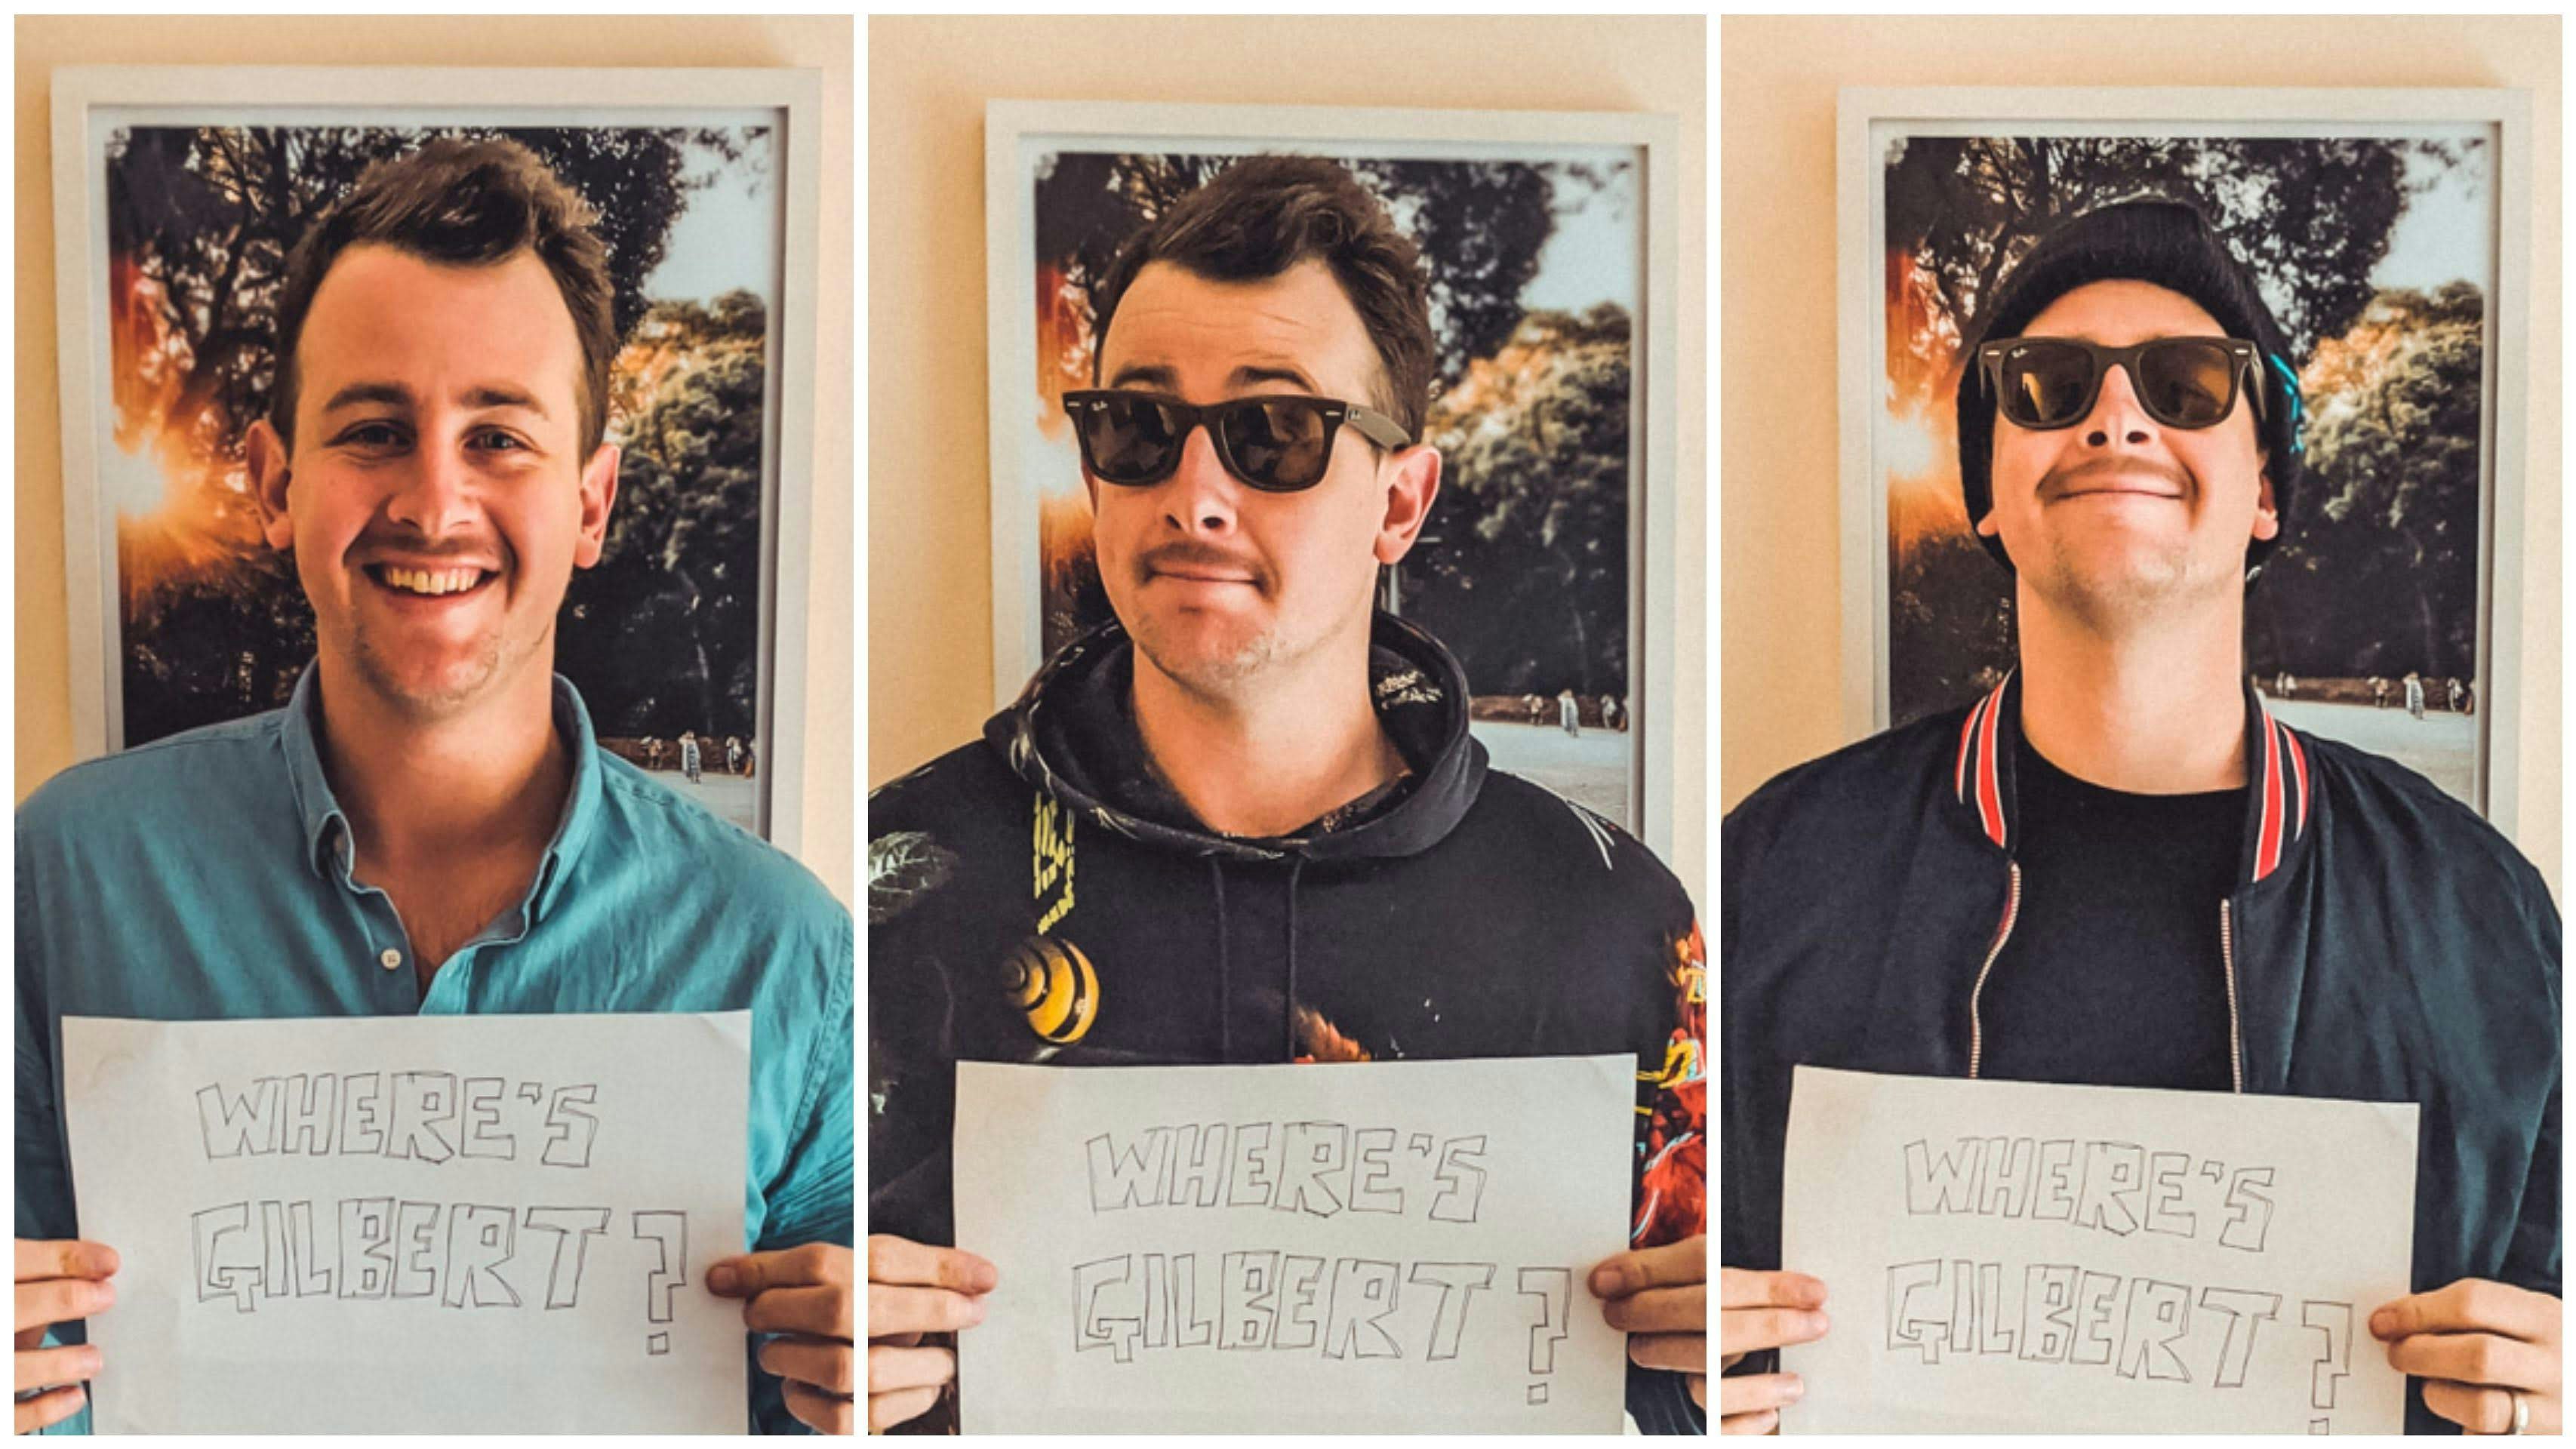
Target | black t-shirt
(2114,974)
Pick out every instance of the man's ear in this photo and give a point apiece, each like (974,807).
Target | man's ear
(1411,485)
(2267,516)
(265,452)
(598,495)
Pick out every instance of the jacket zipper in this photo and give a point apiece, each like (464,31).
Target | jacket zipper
(2235,1026)
(1976,1028)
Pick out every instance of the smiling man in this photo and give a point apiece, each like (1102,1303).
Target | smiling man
(2117,868)
(429,825)
(1288,846)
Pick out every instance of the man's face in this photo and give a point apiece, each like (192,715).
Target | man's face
(436,500)
(2120,515)
(1218,581)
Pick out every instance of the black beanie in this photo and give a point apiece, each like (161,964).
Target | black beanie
(2168,244)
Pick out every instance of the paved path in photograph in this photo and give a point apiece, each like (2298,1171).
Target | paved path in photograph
(1590,769)
(2442,747)
(731,797)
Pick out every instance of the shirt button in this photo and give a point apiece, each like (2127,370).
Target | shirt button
(392,959)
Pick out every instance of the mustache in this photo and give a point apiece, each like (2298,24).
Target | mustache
(2058,482)
(1199,557)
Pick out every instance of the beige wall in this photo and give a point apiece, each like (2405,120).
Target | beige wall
(1780,602)
(44,726)
(929,583)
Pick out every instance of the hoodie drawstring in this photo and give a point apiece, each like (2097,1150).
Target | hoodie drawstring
(1224,971)
(1295,870)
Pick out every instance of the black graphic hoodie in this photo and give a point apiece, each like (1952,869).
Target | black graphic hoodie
(1043,896)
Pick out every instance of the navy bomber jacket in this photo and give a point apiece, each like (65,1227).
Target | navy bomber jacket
(2383,943)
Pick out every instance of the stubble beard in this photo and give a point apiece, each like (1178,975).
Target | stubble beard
(455,692)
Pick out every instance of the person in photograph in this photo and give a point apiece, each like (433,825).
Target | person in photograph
(1289,846)
(430,825)
(2118,868)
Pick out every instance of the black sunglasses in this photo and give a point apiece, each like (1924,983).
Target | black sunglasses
(1277,442)
(2042,383)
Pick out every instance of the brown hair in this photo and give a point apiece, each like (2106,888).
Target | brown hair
(1265,214)
(463,203)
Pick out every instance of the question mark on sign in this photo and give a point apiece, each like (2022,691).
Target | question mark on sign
(2334,1320)
(670,1232)
(1554,1289)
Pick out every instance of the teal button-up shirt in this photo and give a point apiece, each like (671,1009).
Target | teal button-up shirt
(209,875)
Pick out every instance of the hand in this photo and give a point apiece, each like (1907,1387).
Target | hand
(1659,1296)
(58,1281)
(915,1289)
(1758,1311)
(2472,1340)
(803,1292)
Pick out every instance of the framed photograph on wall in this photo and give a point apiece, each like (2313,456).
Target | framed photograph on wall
(180,191)
(1551,242)
(2389,232)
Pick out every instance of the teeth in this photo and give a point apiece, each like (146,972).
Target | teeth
(432,581)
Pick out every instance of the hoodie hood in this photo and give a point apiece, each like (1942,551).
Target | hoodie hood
(1070,735)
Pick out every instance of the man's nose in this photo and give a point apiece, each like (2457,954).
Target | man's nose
(2117,414)
(436,495)
(1200,495)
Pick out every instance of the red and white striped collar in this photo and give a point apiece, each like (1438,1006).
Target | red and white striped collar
(2279,787)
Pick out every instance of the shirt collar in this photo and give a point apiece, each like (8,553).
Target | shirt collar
(2278,787)
(326,826)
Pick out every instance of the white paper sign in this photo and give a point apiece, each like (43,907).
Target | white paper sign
(2012,1257)
(460,1224)
(1389,1247)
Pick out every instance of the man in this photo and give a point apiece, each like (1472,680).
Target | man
(1288,845)
(2118,868)
(430,825)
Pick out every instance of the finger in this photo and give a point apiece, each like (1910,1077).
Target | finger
(822,1412)
(807,1265)
(48,1409)
(919,1310)
(44,1368)
(1740,1288)
(2469,1305)
(60,1300)
(1699,1389)
(1660,1310)
(1679,1352)
(897,1340)
(900,1260)
(822,1363)
(1750,1330)
(909,1368)
(2475,1358)
(1667,1266)
(1762,1422)
(64,1258)
(2477,1410)
(1750,1392)
(900,1407)
(823,1312)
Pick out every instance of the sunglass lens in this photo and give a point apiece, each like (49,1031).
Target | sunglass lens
(2187,384)
(1130,439)
(2046,386)
(1277,443)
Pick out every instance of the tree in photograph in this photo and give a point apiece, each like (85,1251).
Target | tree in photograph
(2380,575)
(665,631)
(1523,569)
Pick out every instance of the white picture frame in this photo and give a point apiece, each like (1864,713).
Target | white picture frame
(89,100)
(1016,131)
(1868,119)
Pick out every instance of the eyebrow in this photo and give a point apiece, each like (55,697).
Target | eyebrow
(480,397)
(1161,375)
